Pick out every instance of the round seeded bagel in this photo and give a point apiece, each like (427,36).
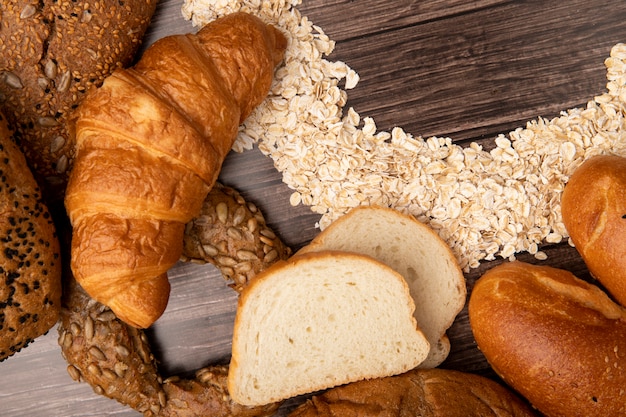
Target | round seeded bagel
(30,264)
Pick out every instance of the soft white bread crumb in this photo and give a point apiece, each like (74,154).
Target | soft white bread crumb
(413,249)
(320,320)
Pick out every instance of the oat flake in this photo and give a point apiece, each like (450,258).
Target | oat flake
(484,204)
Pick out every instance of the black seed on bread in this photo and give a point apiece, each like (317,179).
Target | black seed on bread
(30,264)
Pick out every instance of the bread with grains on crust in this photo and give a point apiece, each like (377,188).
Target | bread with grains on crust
(319,320)
(420,392)
(30,260)
(150,144)
(593,207)
(557,340)
(53,53)
(414,250)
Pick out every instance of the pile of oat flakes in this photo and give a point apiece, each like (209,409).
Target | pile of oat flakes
(484,204)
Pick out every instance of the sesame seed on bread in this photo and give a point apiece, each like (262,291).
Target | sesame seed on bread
(30,264)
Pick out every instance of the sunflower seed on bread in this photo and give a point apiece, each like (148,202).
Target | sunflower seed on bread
(52,53)
(232,234)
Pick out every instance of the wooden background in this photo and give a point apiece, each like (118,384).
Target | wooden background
(461,69)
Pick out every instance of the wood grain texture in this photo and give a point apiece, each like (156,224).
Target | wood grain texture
(467,70)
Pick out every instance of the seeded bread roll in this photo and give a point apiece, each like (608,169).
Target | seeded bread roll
(52,53)
(232,234)
(593,206)
(114,358)
(420,392)
(415,251)
(557,340)
(30,264)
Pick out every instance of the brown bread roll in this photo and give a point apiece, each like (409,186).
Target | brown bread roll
(421,392)
(558,340)
(30,264)
(52,53)
(593,207)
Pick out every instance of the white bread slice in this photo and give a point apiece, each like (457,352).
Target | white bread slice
(413,249)
(320,320)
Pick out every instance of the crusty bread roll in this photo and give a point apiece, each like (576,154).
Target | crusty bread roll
(593,207)
(319,320)
(421,392)
(415,251)
(558,340)
(30,263)
(52,53)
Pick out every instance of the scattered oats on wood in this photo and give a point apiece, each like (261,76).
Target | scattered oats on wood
(483,203)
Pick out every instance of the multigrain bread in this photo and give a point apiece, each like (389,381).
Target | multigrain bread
(319,320)
(232,234)
(593,207)
(415,251)
(52,53)
(30,264)
(420,392)
(557,340)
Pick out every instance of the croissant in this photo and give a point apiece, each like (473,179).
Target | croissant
(150,143)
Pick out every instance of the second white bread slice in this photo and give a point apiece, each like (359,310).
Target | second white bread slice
(413,249)
(320,320)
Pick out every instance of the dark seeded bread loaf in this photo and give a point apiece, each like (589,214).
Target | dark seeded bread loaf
(52,52)
(30,264)
(421,392)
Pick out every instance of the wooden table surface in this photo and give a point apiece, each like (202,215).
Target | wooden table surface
(459,69)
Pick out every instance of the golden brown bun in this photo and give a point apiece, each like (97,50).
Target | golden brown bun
(421,392)
(54,51)
(150,144)
(593,207)
(559,341)
(30,264)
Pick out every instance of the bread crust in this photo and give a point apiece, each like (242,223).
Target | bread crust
(420,392)
(593,208)
(30,260)
(558,340)
(53,53)
(416,251)
(164,127)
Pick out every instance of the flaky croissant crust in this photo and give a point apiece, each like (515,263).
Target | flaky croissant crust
(149,146)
